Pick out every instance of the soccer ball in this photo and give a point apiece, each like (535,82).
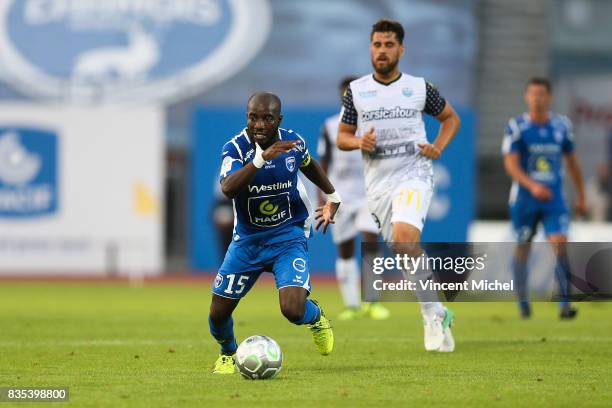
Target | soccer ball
(259,357)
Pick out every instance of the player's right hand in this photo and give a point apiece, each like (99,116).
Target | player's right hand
(367,142)
(541,192)
(278,148)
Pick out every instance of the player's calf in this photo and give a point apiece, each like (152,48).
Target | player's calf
(296,307)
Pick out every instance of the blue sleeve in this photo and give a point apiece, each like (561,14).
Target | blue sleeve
(231,160)
(512,138)
(568,141)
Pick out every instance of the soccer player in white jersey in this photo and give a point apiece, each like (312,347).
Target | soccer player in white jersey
(383,116)
(345,170)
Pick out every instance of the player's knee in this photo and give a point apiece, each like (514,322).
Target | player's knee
(406,233)
(293,311)
(218,315)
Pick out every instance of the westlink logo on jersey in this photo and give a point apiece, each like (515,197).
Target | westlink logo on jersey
(269,211)
(270,187)
(28,172)
(395,113)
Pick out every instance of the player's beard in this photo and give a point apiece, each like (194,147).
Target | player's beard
(387,69)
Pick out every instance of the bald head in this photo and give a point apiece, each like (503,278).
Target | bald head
(267,100)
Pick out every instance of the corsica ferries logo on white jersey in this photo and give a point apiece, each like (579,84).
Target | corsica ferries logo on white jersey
(28,172)
(395,113)
(127,50)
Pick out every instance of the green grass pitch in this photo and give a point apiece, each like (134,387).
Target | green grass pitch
(120,346)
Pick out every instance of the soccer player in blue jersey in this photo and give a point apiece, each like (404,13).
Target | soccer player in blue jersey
(259,172)
(535,145)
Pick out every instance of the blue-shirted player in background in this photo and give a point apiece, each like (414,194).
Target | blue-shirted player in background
(534,147)
(259,172)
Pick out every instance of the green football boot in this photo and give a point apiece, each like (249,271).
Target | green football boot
(322,333)
(224,365)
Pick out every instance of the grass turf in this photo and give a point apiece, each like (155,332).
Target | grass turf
(118,346)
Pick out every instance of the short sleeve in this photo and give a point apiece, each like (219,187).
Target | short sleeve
(349,113)
(304,154)
(434,102)
(568,140)
(512,138)
(231,160)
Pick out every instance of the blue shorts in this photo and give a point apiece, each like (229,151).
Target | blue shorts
(244,262)
(526,216)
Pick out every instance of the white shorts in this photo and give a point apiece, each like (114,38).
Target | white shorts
(408,202)
(350,221)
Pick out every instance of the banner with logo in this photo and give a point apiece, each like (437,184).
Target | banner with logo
(81,189)
(137,50)
(109,50)
(586,100)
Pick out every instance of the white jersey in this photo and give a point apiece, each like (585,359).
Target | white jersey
(345,169)
(395,111)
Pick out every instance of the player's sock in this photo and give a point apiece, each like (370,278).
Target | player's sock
(311,313)
(347,273)
(428,299)
(519,269)
(562,272)
(224,334)
(432,309)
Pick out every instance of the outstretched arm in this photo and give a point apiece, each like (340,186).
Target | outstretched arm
(325,213)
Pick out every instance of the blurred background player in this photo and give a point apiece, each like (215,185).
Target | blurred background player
(345,171)
(535,144)
(383,116)
(259,172)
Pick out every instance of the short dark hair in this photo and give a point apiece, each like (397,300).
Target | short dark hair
(388,26)
(346,81)
(545,82)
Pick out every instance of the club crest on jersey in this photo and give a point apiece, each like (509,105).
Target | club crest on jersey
(407,92)
(290,163)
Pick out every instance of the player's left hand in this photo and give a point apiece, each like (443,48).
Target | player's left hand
(325,215)
(580,208)
(430,151)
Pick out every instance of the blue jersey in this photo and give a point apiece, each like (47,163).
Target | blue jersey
(274,207)
(540,148)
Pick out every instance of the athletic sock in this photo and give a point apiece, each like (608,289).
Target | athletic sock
(224,334)
(562,272)
(347,274)
(519,270)
(432,309)
(428,299)
(311,313)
